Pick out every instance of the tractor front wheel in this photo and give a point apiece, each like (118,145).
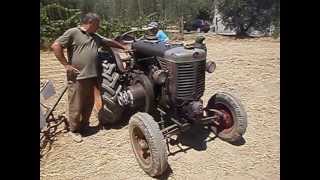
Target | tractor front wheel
(148,144)
(233,121)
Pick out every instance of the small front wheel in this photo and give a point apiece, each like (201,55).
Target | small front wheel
(233,122)
(148,144)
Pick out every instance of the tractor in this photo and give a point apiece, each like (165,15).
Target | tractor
(162,85)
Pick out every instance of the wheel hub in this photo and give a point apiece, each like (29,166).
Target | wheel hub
(226,120)
(141,146)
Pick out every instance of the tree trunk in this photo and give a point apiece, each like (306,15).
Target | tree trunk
(180,15)
(114,8)
(181,25)
(140,7)
(212,9)
(164,9)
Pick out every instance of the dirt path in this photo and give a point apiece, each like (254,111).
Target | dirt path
(249,69)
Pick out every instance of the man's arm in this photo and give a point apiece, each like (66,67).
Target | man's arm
(58,52)
(62,42)
(113,43)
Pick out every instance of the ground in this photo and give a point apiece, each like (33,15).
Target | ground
(247,68)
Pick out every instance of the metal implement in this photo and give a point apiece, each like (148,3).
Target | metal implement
(48,122)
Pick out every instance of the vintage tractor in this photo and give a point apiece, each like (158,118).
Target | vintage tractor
(162,85)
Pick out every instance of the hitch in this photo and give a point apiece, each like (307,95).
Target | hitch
(213,119)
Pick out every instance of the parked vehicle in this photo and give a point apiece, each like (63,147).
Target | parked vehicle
(197,24)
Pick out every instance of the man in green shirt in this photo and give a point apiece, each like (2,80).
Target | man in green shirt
(82,45)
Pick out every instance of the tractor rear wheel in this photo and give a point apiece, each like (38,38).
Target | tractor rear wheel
(111,111)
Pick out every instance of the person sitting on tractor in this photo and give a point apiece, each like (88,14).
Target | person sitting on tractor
(153,27)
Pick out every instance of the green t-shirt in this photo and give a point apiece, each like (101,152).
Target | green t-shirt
(82,49)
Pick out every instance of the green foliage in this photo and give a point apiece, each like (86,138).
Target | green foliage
(118,16)
(276,18)
(113,28)
(204,13)
(244,14)
(276,29)
(54,20)
(116,26)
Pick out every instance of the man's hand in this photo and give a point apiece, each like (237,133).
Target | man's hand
(58,52)
(127,50)
(70,68)
(71,72)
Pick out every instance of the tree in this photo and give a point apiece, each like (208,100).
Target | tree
(140,7)
(204,13)
(241,15)
(276,18)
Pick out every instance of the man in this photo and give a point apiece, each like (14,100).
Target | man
(160,35)
(82,45)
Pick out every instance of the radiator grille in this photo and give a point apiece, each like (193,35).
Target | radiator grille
(190,79)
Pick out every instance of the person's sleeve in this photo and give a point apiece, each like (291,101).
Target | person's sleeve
(158,35)
(164,37)
(102,40)
(65,40)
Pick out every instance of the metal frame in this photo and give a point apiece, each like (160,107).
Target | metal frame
(177,127)
(47,133)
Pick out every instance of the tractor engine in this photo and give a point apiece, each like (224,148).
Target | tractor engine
(178,71)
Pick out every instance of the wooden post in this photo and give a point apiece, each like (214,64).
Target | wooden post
(181,27)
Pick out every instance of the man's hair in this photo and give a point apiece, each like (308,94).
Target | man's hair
(89,17)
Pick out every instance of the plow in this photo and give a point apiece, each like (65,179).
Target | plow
(49,122)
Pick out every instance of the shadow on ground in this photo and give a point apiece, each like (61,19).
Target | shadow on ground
(166,174)
(119,125)
(196,138)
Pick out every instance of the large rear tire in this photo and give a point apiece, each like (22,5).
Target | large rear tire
(148,144)
(149,92)
(111,111)
(234,122)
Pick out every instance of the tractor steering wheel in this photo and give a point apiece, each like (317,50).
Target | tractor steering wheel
(129,37)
